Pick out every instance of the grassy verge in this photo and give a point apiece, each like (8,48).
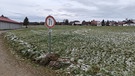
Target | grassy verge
(28,63)
(96,50)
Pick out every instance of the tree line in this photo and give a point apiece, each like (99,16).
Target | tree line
(91,23)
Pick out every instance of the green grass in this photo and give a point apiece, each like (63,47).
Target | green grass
(103,51)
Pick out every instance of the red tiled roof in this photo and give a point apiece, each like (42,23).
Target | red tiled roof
(5,19)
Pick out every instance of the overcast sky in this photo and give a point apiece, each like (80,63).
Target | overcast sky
(37,10)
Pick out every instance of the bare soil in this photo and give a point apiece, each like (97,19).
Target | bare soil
(11,66)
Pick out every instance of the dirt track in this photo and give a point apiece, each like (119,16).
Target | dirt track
(11,66)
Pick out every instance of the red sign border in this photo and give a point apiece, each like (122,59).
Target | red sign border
(53,20)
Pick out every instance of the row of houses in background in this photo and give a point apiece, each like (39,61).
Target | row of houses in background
(127,22)
(6,23)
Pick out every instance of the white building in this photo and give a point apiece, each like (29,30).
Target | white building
(76,23)
(6,23)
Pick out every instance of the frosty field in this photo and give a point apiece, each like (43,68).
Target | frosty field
(102,51)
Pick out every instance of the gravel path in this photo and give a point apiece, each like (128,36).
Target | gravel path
(11,66)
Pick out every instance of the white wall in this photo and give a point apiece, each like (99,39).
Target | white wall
(4,25)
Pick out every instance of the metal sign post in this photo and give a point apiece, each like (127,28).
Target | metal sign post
(50,22)
(49,43)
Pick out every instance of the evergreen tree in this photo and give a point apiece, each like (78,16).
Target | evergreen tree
(2,15)
(65,21)
(103,23)
(83,22)
(26,22)
(107,23)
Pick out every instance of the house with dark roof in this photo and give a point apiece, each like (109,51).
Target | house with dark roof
(76,22)
(6,23)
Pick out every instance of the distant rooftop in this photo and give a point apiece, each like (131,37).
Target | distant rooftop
(6,19)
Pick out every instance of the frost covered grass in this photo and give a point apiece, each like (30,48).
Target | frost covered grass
(102,51)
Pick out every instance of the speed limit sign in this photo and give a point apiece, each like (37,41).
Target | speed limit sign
(50,21)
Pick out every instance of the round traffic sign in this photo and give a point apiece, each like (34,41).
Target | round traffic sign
(50,21)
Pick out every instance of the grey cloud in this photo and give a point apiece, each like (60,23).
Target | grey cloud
(77,11)
(95,2)
(108,8)
(58,14)
(48,10)
(128,11)
(68,5)
(36,18)
(84,2)
(108,11)
(66,15)
(80,10)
